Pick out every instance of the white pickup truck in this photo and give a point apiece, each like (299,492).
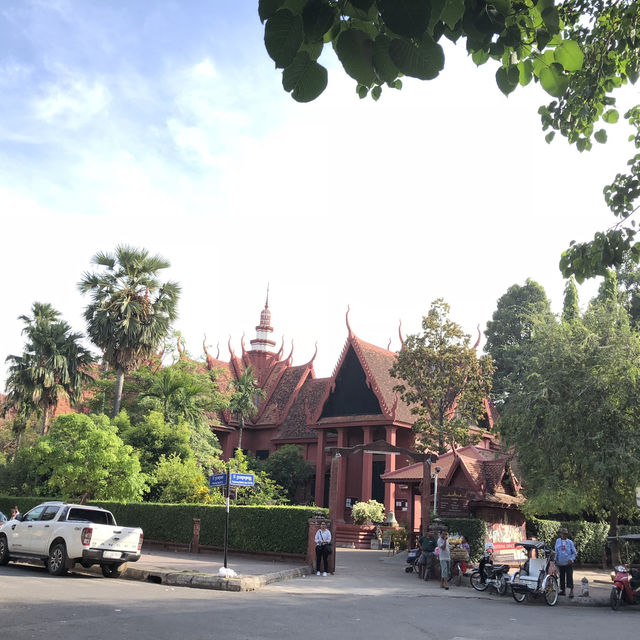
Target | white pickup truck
(62,534)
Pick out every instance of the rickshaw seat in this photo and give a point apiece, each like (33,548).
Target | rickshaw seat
(536,565)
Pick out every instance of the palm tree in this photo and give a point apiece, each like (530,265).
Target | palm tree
(131,311)
(243,399)
(53,366)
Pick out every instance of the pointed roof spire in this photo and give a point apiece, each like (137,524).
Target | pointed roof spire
(262,341)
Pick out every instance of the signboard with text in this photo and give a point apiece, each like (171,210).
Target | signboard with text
(453,502)
(242,480)
(218,480)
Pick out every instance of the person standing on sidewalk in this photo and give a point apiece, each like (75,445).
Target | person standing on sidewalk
(444,553)
(323,548)
(428,546)
(565,556)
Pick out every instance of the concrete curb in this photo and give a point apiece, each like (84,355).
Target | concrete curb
(208,581)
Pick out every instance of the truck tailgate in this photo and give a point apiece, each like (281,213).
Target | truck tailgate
(115,538)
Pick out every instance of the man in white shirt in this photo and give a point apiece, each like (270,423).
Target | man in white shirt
(444,553)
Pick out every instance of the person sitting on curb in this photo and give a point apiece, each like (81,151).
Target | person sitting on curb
(565,556)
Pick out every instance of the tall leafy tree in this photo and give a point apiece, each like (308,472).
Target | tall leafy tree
(53,365)
(246,394)
(570,308)
(574,420)
(289,469)
(131,310)
(84,458)
(629,284)
(443,380)
(510,329)
(579,51)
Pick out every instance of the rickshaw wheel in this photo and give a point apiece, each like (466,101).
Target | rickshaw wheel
(551,591)
(518,596)
(615,599)
(502,586)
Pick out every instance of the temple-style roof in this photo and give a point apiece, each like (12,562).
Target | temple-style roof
(484,469)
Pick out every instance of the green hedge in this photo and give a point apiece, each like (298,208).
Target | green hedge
(271,528)
(590,538)
(473,529)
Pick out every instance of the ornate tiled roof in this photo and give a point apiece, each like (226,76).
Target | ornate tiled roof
(295,425)
(282,396)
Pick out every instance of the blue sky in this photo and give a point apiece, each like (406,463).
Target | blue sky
(164,125)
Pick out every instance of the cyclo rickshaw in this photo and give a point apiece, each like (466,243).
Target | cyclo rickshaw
(537,576)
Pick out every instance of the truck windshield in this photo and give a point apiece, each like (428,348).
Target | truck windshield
(89,515)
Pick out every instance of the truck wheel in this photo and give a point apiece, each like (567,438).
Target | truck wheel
(4,551)
(57,563)
(112,570)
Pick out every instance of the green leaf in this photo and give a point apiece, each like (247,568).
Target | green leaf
(569,55)
(318,17)
(408,18)
(542,38)
(452,12)
(480,57)
(382,62)
(363,5)
(553,80)
(507,79)
(550,136)
(503,6)
(305,78)
(551,19)
(601,136)
(266,8)
(611,116)
(362,91)
(283,37)
(424,61)
(355,51)
(376,91)
(525,72)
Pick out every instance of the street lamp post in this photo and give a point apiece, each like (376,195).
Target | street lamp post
(435,490)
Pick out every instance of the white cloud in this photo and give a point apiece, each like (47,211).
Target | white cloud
(72,103)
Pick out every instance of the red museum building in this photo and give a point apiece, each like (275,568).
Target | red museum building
(356,405)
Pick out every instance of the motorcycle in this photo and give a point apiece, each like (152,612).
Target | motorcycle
(626,587)
(496,576)
(626,583)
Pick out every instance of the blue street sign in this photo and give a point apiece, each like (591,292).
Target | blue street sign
(218,480)
(242,479)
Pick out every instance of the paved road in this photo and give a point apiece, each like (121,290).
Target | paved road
(366,599)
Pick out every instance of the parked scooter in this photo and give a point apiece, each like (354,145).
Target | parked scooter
(496,576)
(626,587)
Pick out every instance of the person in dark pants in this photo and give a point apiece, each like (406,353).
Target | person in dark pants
(428,545)
(323,546)
(565,556)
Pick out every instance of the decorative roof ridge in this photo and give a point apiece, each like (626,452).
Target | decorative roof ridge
(273,384)
(460,462)
(371,380)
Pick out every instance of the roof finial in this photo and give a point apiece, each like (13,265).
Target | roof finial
(347,320)
(389,345)
(475,346)
(266,304)
(400,334)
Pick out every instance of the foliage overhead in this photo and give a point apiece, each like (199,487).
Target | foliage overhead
(370,511)
(580,51)
(443,380)
(54,365)
(130,310)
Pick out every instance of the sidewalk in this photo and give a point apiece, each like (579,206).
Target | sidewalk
(599,585)
(358,571)
(201,570)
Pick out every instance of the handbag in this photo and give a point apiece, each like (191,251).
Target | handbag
(329,548)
